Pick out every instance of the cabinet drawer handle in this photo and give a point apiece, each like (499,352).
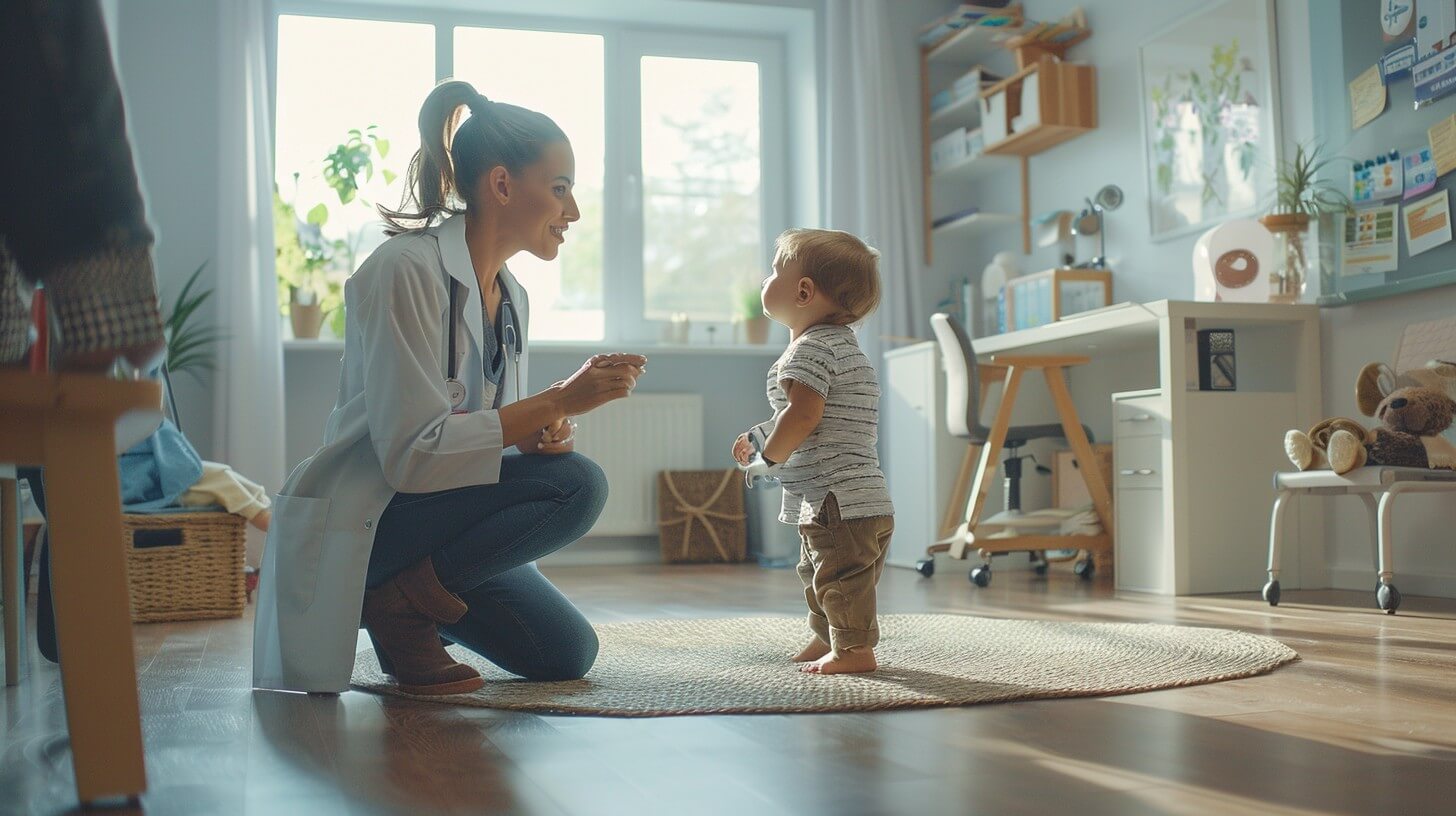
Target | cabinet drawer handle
(1139,418)
(1138,472)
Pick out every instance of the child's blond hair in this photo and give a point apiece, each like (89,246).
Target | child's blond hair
(845,269)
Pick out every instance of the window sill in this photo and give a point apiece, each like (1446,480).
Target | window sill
(574,347)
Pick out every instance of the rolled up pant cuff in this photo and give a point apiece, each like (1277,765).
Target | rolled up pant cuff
(848,640)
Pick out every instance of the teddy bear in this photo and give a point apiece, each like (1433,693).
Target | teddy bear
(1414,410)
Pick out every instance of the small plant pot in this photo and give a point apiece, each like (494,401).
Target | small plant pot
(1291,233)
(755,330)
(306,320)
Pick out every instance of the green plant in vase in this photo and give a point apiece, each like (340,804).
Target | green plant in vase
(1301,197)
(750,313)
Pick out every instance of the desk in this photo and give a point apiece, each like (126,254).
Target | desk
(1217,449)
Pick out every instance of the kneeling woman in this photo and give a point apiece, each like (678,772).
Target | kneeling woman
(412,516)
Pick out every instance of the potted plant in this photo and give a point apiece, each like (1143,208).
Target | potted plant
(1301,198)
(310,266)
(750,313)
(189,342)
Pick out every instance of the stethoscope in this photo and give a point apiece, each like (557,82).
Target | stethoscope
(453,387)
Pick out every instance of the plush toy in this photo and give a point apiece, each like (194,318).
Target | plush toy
(1414,410)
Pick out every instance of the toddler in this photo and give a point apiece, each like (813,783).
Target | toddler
(821,440)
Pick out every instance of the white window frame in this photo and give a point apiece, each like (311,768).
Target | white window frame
(624,44)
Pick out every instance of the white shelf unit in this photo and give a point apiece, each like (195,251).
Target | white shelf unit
(954,56)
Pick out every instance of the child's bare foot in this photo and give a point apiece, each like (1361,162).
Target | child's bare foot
(815,650)
(261,519)
(852,662)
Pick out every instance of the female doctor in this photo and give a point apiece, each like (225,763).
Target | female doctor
(412,517)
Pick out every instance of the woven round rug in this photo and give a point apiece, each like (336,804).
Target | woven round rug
(741,666)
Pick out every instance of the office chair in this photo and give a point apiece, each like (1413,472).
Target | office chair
(964,400)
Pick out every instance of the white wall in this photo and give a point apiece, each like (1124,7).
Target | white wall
(167,62)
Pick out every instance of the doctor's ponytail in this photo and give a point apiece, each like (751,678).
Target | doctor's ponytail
(452,157)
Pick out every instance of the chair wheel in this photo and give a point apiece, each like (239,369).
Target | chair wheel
(1271,593)
(981,576)
(1041,568)
(1388,597)
(1085,568)
(925,566)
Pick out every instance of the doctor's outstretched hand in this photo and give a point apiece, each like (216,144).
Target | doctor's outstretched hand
(601,379)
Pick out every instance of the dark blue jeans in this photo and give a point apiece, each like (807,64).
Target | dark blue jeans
(484,541)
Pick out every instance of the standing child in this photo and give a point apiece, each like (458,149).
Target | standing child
(821,440)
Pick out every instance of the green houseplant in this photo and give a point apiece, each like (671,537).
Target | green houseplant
(750,313)
(1301,199)
(189,341)
(310,266)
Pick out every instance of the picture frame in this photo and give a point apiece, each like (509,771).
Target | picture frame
(1208,96)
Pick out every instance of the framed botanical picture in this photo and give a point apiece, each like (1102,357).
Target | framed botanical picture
(1209,98)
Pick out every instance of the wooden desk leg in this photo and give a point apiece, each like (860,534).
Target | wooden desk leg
(956,507)
(93,615)
(13,571)
(1081,448)
(986,470)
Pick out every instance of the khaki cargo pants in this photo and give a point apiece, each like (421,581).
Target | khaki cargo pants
(840,562)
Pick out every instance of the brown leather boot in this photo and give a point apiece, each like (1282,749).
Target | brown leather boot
(401,616)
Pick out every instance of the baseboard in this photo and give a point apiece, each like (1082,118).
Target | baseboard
(606,551)
(1435,584)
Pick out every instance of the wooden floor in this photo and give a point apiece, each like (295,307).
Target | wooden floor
(1364,723)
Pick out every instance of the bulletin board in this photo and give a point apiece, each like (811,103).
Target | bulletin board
(1399,126)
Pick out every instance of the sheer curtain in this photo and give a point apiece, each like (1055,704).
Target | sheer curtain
(870,167)
(248,400)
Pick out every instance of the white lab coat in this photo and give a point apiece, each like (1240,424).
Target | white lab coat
(391,431)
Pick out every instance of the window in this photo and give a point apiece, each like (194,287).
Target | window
(702,226)
(336,76)
(566,294)
(679,142)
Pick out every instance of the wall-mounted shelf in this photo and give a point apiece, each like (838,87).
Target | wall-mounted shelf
(974,43)
(972,168)
(1064,104)
(973,222)
(965,112)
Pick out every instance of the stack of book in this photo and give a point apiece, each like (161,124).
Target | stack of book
(985,13)
(968,84)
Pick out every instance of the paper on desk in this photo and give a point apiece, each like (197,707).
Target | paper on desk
(1367,97)
(1443,144)
(1427,223)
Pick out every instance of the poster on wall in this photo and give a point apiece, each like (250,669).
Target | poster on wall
(1397,19)
(1208,109)
(1434,77)
(1427,223)
(1420,171)
(1369,245)
(1398,61)
(1435,26)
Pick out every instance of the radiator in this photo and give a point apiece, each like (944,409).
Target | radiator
(632,439)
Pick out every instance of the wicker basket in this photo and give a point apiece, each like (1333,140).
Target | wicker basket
(184,566)
(700,516)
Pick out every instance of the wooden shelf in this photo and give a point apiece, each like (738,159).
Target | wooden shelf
(1035,139)
(974,223)
(965,112)
(972,168)
(973,44)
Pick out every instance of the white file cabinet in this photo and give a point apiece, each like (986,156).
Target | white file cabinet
(920,457)
(1140,434)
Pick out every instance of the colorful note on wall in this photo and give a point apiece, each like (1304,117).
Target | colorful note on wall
(1370,241)
(1443,144)
(1427,223)
(1420,171)
(1377,179)
(1367,97)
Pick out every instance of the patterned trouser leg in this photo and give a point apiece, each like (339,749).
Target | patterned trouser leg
(14,316)
(105,301)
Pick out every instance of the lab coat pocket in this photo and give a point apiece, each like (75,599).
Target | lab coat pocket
(299,522)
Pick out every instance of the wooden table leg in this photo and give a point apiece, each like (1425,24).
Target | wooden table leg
(12,571)
(93,615)
(986,470)
(1097,489)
